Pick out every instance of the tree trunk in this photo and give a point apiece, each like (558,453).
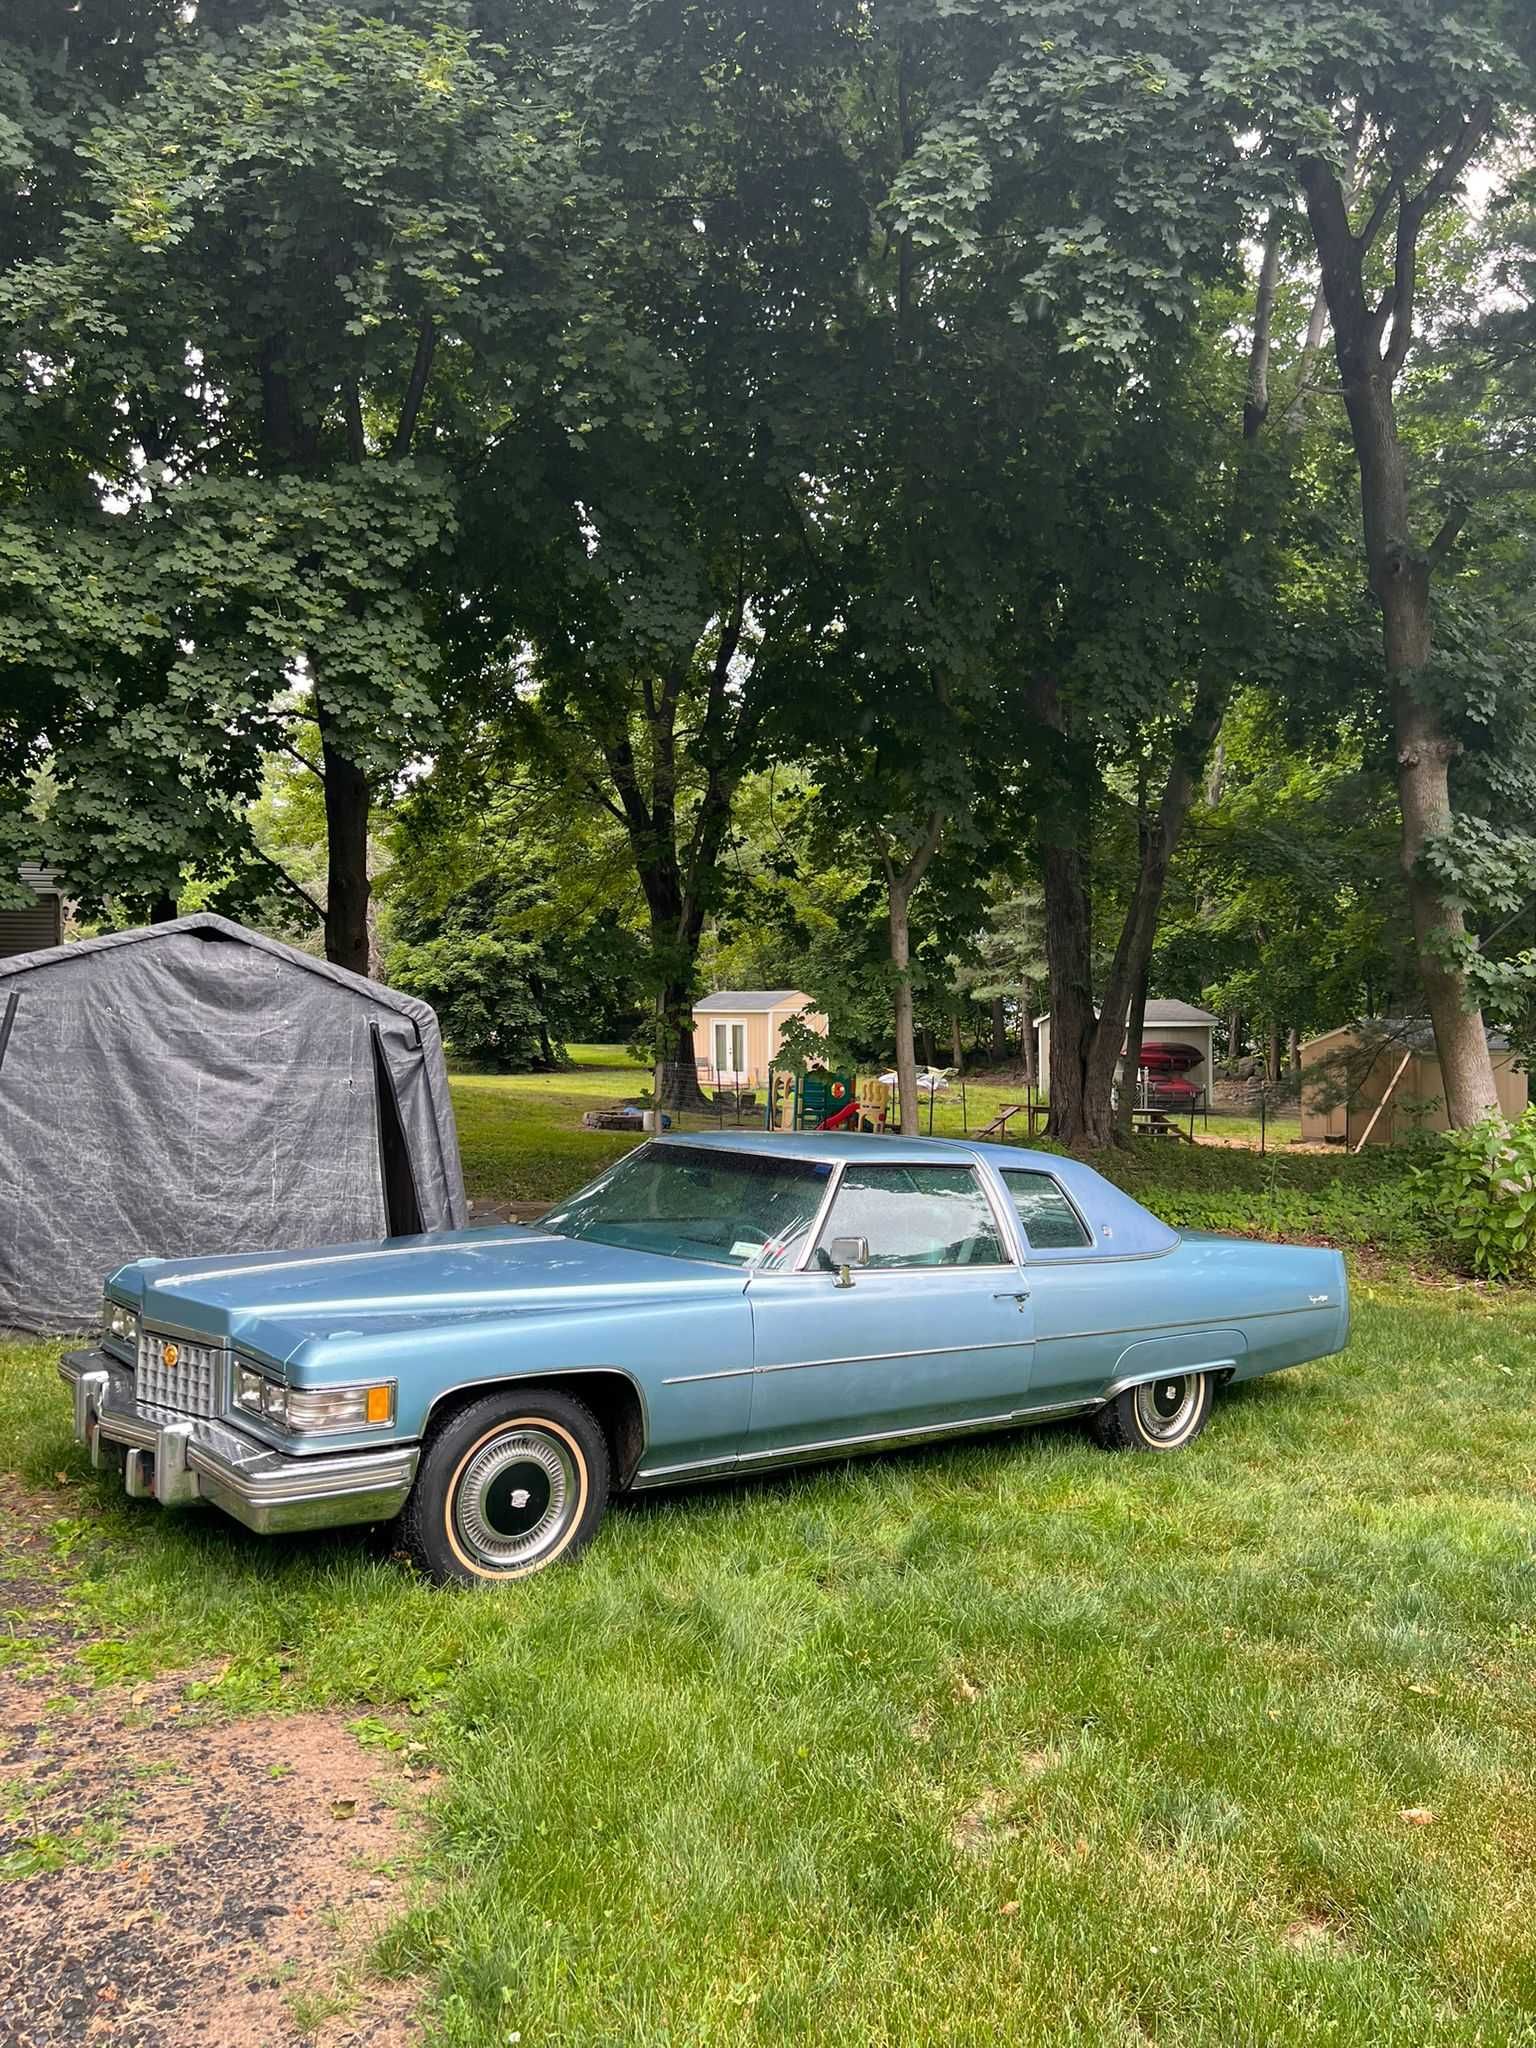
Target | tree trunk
(1074,1119)
(1293,1050)
(1399,575)
(906,1053)
(1069,931)
(901,885)
(347,804)
(677,1067)
(1234,1038)
(1029,1048)
(1088,1117)
(956,1047)
(999,1030)
(1424,754)
(1272,1063)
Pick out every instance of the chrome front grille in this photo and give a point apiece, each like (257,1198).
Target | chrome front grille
(187,1380)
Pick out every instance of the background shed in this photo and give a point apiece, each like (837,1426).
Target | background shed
(1167,1022)
(195,1087)
(737,1033)
(1387,1064)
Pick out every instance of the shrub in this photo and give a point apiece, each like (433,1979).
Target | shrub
(1480,1188)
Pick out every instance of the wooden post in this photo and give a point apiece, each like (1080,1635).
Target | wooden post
(1386,1098)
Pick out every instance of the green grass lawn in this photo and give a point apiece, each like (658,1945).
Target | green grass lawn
(521,1136)
(1013,1741)
(604,1056)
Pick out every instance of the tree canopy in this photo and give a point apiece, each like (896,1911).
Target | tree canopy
(1020,503)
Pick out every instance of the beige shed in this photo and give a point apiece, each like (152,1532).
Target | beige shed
(1377,1081)
(737,1032)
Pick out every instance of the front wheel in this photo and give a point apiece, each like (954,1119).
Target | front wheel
(1161,1415)
(509,1484)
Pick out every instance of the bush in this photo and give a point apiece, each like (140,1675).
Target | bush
(1479,1185)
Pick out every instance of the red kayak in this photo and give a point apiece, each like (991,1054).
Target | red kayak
(1158,1058)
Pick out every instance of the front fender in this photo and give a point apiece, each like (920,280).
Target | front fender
(689,1361)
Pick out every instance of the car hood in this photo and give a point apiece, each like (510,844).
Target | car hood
(275,1302)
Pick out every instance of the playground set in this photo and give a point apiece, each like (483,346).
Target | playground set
(822,1100)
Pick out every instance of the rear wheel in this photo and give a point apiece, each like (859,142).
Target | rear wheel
(1160,1415)
(509,1484)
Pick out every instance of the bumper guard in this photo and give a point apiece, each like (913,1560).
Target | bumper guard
(174,1458)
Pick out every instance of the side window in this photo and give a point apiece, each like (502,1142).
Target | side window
(1051,1224)
(916,1216)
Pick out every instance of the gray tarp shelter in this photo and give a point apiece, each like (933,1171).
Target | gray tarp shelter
(195,1087)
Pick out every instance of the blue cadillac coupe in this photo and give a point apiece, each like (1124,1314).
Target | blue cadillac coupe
(709,1305)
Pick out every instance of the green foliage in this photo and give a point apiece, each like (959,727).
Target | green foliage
(314,211)
(676,394)
(1008,954)
(1285,907)
(1478,1187)
(1367,1204)
(478,982)
(513,915)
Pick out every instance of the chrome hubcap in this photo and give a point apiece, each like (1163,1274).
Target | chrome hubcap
(1167,1409)
(514,1498)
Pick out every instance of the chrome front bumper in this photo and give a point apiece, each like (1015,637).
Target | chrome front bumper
(174,1458)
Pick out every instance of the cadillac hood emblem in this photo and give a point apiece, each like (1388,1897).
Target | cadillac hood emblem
(170,1354)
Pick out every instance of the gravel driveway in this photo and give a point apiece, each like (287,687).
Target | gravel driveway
(170,1878)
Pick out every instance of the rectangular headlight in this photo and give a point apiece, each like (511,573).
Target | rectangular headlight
(300,1410)
(341,1407)
(120,1324)
(248,1388)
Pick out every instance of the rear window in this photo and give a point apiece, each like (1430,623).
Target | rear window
(1051,1224)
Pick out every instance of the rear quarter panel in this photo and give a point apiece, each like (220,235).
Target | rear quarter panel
(1247,1308)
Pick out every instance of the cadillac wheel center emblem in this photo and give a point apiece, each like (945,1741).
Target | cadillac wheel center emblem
(170,1354)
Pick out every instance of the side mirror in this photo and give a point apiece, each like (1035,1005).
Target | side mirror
(845,1253)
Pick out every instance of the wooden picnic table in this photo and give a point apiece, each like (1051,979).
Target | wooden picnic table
(1037,1115)
(1155,1123)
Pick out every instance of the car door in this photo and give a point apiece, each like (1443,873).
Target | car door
(1089,1305)
(933,1333)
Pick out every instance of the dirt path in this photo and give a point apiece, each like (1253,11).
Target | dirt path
(168,1878)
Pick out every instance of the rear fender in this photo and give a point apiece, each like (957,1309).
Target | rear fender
(1218,1351)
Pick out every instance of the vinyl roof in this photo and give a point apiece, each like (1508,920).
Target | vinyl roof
(1121,1227)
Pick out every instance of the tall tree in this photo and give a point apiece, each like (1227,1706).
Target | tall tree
(631,607)
(1418,94)
(293,244)
(1009,965)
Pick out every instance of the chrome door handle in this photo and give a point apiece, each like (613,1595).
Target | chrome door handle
(1020,1297)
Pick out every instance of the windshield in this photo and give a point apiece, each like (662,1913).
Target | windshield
(689,1202)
